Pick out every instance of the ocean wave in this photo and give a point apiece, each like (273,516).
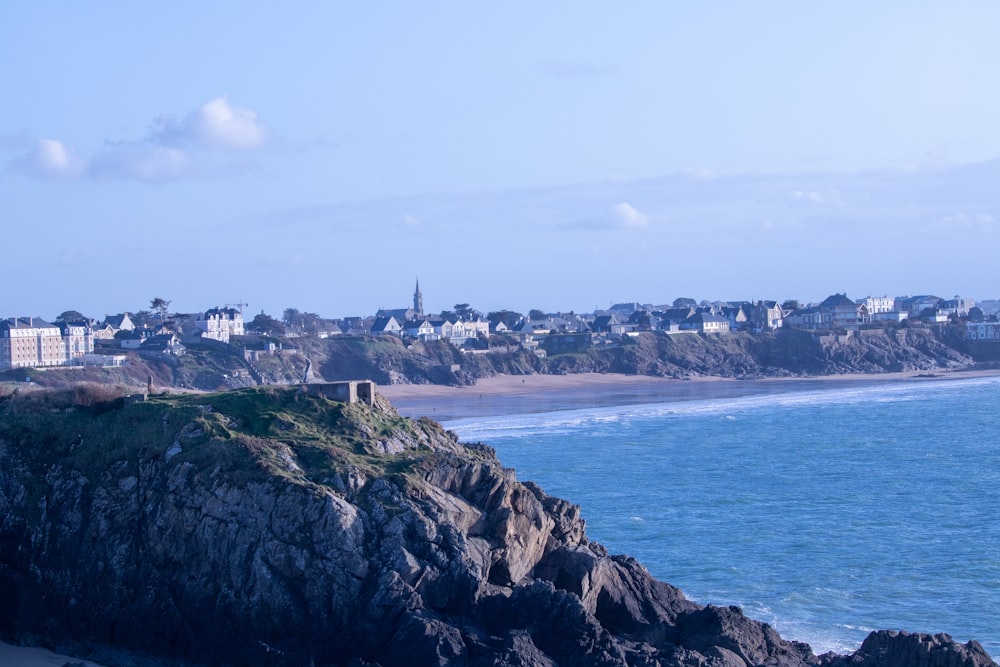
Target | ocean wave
(730,409)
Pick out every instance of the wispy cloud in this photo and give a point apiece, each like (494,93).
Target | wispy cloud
(50,159)
(965,221)
(828,197)
(141,161)
(620,216)
(204,141)
(627,215)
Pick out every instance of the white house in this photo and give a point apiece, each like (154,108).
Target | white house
(221,324)
(387,325)
(707,323)
(879,304)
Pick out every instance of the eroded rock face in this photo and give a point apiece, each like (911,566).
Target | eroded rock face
(249,547)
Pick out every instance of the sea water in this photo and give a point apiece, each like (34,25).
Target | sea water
(827,514)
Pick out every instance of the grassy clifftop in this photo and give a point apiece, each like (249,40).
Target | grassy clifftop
(247,433)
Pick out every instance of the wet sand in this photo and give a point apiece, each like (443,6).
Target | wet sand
(517,394)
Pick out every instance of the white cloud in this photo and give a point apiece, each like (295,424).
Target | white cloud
(50,159)
(144,162)
(201,143)
(219,125)
(620,216)
(215,125)
(627,216)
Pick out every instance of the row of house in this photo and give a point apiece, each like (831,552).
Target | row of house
(30,342)
(835,312)
(839,312)
(456,331)
(764,315)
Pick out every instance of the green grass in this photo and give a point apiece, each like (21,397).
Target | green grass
(246,435)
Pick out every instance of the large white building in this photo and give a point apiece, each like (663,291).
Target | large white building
(879,304)
(221,324)
(30,342)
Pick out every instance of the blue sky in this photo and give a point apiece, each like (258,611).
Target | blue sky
(559,155)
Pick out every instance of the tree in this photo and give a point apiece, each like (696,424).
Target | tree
(265,324)
(143,318)
(535,314)
(508,317)
(791,304)
(310,322)
(161,306)
(291,316)
(684,302)
(464,311)
(71,316)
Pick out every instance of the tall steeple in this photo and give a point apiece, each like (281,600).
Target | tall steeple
(418,300)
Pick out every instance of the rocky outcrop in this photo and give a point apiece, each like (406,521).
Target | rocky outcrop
(892,648)
(782,353)
(280,528)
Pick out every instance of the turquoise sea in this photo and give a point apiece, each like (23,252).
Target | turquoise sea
(826,513)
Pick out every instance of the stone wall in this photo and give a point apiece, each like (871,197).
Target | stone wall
(352,391)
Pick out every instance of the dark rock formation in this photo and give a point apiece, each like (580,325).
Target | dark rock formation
(891,648)
(279,528)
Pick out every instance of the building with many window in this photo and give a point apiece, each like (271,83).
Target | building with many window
(30,342)
(221,324)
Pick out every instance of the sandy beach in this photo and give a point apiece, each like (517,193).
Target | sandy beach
(523,394)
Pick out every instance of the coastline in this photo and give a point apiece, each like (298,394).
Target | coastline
(528,394)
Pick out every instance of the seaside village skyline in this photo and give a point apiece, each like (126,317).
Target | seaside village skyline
(73,339)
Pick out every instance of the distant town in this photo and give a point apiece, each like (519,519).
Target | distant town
(73,339)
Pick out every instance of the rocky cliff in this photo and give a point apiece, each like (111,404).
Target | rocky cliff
(274,527)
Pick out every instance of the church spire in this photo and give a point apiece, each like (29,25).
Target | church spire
(418,300)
